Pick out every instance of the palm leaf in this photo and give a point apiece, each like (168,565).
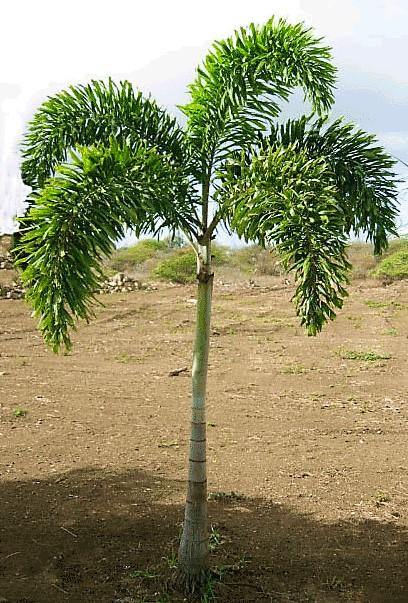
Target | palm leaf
(87,114)
(79,215)
(285,199)
(362,170)
(239,87)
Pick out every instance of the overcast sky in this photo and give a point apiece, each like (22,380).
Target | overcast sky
(47,44)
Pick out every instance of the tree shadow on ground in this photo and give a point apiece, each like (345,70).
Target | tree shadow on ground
(93,536)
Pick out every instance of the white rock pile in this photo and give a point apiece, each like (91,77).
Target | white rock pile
(14,289)
(122,283)
(119,283)
(6,263)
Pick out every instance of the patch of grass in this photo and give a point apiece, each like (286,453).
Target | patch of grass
(226,496)
(143,574)
(125,358)
(337,584)
(208,594)
(371,303)
(392,331)
(365,356)
(19,412)
(384,304)
(294,369)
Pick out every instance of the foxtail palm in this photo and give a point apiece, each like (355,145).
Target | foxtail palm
(102,158)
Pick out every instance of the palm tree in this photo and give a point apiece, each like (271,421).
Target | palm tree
(101,158)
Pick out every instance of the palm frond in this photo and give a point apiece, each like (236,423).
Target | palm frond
(75,220)
(361,168)
(244,78)
(284,198)
(92,113)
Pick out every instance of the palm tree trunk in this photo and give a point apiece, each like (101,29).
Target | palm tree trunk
(193,551)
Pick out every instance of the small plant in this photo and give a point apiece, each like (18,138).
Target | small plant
(215,539)
(382,498)
(19,412)
(392,331)
(368,356)
(171,560)
(208,593)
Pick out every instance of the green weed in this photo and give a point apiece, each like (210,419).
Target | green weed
(215,539)
(19,412)
(371,303)
(294,369)
(368,356)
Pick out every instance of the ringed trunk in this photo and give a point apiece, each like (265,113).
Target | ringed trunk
(193,551)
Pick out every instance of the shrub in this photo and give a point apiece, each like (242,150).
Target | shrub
(129,257)
(367,356)
(395,266)
(181,265)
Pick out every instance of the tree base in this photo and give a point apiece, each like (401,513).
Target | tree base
(192,582)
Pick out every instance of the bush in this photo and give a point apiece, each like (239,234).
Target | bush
(130,257)
(366,264)
(181,266)
(394,267)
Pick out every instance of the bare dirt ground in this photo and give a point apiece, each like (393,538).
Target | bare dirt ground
(309,437)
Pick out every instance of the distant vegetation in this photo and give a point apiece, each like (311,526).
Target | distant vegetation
(395,265)
(173,260)
(129,258)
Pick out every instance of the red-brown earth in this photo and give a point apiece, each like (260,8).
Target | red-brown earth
(307,450)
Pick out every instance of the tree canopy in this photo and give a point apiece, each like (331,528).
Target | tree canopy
(102,157)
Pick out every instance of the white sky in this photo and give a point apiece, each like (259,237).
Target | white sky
(46,45)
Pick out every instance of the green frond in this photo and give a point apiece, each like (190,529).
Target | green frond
(361,168)
(75,220)
(239,87)
(284,198)
(92,113)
